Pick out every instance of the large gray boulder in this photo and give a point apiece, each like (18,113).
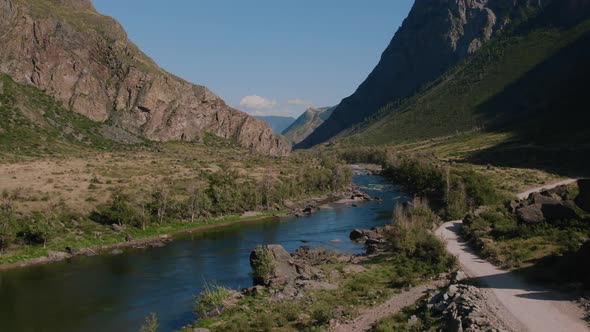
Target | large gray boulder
(531,214)
(549,199)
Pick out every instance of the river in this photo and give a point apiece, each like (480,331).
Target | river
(116,292)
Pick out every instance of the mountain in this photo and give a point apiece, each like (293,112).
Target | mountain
(435,36)
(307,122)
(277,123)
(528,84)
(85,60)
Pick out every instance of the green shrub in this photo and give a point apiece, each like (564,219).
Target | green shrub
(211,300)
(480,190)
(262,263)
(7,235)
(322,314)
(410,235)
(118,211)
(151,324)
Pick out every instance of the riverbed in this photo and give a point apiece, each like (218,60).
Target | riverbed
(116,292)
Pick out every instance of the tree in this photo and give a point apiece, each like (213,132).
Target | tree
(198,203)
(266,189)
(37,230)
(224,191)
(6,233)
(159,204)
(120,212)
(6,204)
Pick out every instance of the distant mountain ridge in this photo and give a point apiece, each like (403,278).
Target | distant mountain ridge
(435,36)
(311,119)
(84,59)
(277,123)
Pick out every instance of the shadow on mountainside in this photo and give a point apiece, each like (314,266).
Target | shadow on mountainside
(547,113)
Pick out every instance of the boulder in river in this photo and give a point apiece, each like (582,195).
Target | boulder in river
(356,234)
(72,250)
(58,255)
(310,209)
(272,264)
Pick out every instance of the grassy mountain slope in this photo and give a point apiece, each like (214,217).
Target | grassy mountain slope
(311,119)
(528,84)
(436,36)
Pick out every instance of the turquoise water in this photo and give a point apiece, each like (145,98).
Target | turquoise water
(116,293)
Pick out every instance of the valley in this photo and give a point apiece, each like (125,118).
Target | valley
(448,192)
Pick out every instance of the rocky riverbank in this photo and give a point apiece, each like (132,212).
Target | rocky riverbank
(291,275)
(351,195)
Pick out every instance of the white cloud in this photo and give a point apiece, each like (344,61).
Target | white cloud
(257,102)
(300,102)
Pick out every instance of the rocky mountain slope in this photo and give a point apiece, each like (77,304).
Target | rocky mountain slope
(85,60)
(435,36)
(277,123)
(307,122)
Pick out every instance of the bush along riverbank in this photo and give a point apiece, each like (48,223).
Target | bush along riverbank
(314,289)
(452,191)
(213,198)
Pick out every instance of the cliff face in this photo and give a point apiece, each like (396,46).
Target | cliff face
(436,35)
(311,119)
(68,50)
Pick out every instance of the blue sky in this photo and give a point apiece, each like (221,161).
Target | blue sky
(264,56)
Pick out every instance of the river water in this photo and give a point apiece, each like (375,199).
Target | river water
(116,293)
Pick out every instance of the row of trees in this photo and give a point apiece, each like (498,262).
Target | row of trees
(224,192)
(217,194)
(456,191)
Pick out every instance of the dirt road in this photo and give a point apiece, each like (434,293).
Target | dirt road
(392,306)
(535,308)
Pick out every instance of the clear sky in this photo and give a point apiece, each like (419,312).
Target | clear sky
(264,56)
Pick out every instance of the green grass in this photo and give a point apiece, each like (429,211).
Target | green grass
(502,239)
(211,300)
(383,278)
(415,318)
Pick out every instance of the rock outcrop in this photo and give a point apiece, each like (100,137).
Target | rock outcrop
(550,206)
(294,274)
(434,37)
(465,308)
(84,59)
